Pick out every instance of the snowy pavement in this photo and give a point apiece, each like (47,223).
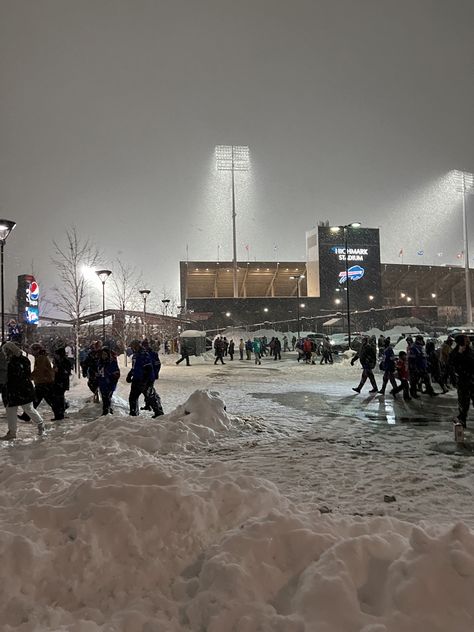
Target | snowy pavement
(268,498)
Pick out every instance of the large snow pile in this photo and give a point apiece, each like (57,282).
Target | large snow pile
(101,531)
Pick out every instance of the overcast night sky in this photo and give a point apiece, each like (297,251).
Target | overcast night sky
(353,110)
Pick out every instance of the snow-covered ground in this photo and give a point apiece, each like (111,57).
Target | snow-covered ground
(269,498)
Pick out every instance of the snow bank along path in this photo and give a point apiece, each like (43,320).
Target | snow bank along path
(104,530)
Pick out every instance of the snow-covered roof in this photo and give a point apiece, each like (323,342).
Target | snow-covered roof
(193,333)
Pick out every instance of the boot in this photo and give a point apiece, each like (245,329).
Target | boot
(9,436)
(356,389)
(40,429)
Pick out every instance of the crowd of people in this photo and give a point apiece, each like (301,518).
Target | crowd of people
(49,380)
(419,367)
(413,372)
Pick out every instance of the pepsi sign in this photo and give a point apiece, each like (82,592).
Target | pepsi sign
(28,299)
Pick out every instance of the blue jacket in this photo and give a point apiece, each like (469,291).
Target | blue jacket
(142,368)
(155,359)
(389,360)
(417,357)
(108,374)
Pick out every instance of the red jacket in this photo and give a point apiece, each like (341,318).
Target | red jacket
(402,368)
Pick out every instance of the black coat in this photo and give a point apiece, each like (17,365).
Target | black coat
(19,389)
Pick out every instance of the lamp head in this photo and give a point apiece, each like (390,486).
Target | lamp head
(6,227)
(103,274)
(144,293)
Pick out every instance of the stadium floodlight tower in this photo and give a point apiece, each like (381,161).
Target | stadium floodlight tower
(233,158)
(464,183)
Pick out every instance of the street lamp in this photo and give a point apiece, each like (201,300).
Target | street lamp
(345,228)
(464,183)
(103,276)
(6,227)
(144,294)
(166,302)
(233,158)
(298,280)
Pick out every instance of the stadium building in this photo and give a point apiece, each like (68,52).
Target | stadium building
(314,291)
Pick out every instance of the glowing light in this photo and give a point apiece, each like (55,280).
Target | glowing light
(337,301)
(265,309)
(230,157)
(402,295)
(371,298)
(227,314)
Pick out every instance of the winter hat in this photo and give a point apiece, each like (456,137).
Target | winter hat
(11,349)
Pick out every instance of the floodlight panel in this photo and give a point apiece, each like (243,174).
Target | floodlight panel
(463,180)
(230,157)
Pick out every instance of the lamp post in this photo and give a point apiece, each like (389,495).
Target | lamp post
(464,183)
(345,229)
(298,280)
(166,302)
(144,294)
(103,276)
(233,158)
(6,227)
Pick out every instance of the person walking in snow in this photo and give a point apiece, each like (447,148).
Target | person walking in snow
(108,377)
(367,355)
(248,349)
(90,368)
(293,343)
(285,343)
(276,349)
(183,349)
(462,363)
(219,349)
(388,366)
(19,390)
(62,374)
(256,346)
(241,348)
(141,377)
(403,375)
(231,349)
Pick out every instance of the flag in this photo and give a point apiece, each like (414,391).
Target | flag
(400,254)
(420,253)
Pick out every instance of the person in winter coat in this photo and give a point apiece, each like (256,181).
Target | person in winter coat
(256,346)
(219,349)
(43,376)
(241,348)
(417,366)
(388,366)
(285,344)
(141,377)
(276,349)
(307,349)
(447,374)
(434,366)
(108,377)
(403,375)
(231,349)
(462,363)
(367,356)
(249,349)
(293,343)
(90,368)
(326,352)
(19,390)
(62,374)
(183,349)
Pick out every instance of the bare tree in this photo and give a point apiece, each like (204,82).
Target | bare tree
(125,295)
(71,260)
